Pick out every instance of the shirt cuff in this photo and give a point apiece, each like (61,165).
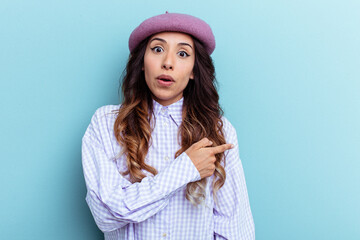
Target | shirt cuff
(194,170)
(178,174)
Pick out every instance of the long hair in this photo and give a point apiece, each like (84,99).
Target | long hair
(201,117)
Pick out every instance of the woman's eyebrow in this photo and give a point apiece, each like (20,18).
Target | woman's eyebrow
(185,44)
(163,40)
(159,39)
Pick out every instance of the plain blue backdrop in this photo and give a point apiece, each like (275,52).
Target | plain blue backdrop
(288,74)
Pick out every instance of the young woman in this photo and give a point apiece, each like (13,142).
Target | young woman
(165,163)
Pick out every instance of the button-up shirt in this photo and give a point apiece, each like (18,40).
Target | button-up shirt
(156,207)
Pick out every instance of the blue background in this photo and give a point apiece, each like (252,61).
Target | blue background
(288,75)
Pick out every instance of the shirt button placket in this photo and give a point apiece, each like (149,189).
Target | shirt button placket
(166,124)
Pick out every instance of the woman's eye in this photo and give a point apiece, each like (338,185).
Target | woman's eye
(183,54)
(157,49)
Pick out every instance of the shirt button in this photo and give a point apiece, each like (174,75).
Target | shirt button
(164,235)
(166,124)
(166,158)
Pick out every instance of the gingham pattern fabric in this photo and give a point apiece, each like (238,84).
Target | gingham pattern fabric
(156,207)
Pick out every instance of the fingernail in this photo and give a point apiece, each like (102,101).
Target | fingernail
(232,146)
(210,142)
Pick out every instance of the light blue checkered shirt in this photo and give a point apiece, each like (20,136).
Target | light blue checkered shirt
(156,207)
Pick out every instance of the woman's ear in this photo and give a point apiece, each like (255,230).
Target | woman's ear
(192,76)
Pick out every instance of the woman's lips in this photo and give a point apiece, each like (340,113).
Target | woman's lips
(165,80)
(164,83)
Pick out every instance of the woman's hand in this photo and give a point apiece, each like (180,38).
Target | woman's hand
(203,156)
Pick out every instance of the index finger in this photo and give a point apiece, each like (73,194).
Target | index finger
(222,148)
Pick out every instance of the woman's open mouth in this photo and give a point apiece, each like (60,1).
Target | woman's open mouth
(165,80)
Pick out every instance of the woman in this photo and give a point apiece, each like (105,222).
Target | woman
(164,164)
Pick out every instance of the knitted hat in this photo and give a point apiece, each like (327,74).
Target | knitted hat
(174,22)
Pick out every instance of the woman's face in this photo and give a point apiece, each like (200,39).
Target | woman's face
(168,65)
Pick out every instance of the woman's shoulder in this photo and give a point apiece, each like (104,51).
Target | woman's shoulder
(102,119)
(228,129)
(105,113)
(106,110)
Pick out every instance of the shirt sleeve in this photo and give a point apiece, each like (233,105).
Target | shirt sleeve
(232,216)
(113,200)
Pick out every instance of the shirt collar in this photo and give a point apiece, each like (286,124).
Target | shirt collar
(174,110)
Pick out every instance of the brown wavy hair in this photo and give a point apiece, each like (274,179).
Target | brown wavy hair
(201,117)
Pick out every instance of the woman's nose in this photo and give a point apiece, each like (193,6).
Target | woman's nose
(168,63)
(167,66)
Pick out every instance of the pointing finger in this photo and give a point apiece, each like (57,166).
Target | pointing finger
(222,148)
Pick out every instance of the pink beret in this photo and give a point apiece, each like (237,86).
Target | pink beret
(174,22)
